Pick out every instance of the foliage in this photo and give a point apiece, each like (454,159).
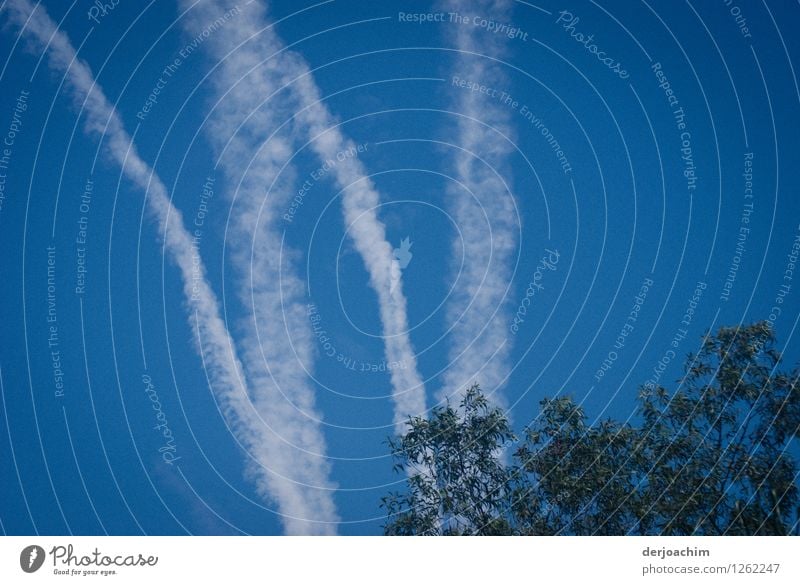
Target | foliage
(712,457)
(457,483)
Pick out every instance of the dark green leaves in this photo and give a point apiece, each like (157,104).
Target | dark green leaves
(709,457)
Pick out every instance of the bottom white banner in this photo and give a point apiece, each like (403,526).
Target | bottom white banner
(395,560)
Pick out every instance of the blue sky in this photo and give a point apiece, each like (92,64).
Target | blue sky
(614,209)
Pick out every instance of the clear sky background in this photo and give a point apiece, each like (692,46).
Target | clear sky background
(633,200)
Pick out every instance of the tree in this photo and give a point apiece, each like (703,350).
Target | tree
(720,443)
(712,457)
(457,483)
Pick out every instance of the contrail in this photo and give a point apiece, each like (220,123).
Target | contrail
(360,200)
(304,508)
(484,208)
(277,341)
(253,50)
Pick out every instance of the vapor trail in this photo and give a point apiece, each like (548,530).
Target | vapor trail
(277,341)
(305,509)
(483,207)
(252,55)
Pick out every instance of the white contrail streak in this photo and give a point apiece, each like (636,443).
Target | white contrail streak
(277,342)
(483,208)
(279,473)
(360,201)
(251,54)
